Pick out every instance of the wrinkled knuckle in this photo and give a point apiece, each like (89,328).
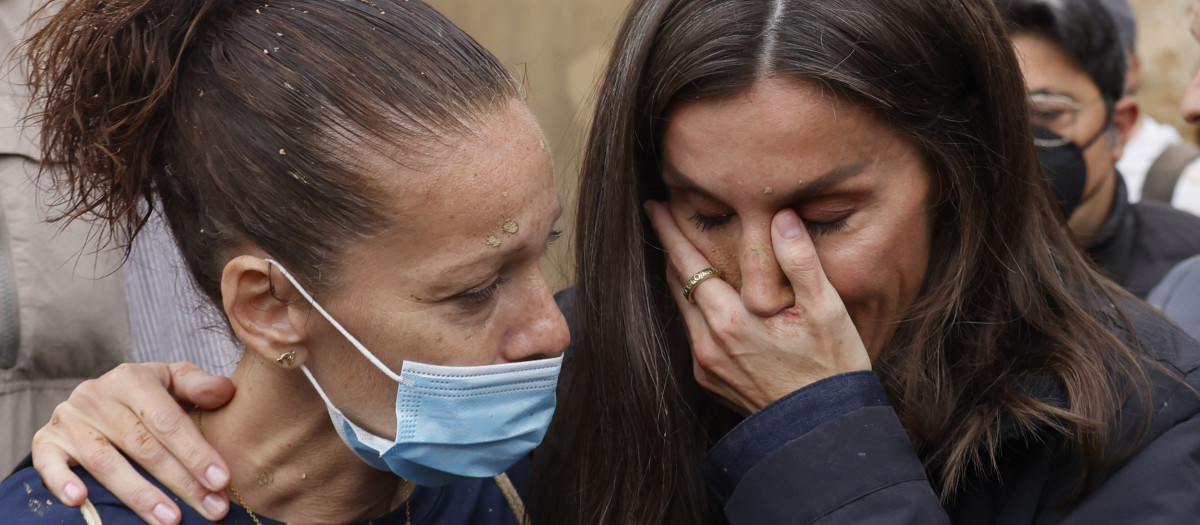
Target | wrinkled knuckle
(143,446)
(705,362)
(189,485)
(144,498)
(828,317)
(192,457)
(726,327)
(124,370)
(100,459)
(804,266)
(166,421)
(86,392)
(61,414)
(44,436)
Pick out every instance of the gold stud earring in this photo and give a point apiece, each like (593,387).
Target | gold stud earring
(290,357)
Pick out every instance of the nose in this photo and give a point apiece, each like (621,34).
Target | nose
(765,289)
(540,330)
(1191,102)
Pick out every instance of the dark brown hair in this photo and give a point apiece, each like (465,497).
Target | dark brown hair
(252,122)
(1007,298)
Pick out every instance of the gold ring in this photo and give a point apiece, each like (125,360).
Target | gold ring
(696,280)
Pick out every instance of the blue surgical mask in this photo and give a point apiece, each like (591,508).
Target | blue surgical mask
(452,422)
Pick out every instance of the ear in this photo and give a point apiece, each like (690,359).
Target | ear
(1125,115)
(258,310)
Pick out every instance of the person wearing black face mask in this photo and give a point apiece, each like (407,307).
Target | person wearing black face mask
(1066,167)
(1074,68)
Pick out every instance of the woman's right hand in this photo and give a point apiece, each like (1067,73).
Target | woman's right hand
(136,408)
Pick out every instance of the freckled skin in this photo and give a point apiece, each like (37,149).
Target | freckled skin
(789,134)
(401,288)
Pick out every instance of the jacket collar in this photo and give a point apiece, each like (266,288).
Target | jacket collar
(1112,249)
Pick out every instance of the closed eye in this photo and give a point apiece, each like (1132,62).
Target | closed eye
(815,228)
(483,295)
(703,222)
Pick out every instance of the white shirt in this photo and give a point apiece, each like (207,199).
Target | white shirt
(1142,149)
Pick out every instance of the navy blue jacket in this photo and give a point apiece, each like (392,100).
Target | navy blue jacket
(834,452)
(24,500)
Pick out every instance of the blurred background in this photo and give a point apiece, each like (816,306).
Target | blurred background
(559,47)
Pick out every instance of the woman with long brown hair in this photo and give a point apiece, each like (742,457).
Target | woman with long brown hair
(361,189)
(823,279)
(863,177)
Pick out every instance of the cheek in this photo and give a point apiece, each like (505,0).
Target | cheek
(878,274)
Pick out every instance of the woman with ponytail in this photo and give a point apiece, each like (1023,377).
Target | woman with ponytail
(359,187)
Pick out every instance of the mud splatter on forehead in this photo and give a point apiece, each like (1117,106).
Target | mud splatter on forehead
(511,227)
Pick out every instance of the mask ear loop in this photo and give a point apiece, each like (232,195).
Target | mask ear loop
(361,349)
(1108,116)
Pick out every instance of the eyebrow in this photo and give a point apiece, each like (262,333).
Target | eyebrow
(822,184)
(505,250)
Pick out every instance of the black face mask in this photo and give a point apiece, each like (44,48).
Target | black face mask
(1066,168)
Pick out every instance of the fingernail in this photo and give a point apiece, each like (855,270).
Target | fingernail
(73,492)
(165,514)
(215,505)
(789,225)
(646,206)
(216,477)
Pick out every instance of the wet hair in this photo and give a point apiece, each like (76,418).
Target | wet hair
(253,123)
(1007,297)
(1083,29)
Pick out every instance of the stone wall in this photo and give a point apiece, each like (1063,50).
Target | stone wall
(1169,58)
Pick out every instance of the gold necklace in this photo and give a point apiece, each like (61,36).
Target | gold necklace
(200,426)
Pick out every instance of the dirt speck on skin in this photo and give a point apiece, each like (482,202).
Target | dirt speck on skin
(504,194)
(799,183)
(768,191)
(303,475)
(282,151)
(511,227)
(264,478)
(493,241)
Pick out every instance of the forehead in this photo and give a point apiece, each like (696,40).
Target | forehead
(474,185)
(779,131)
(1047,68)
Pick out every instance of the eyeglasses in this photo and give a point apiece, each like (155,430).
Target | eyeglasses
(1058,114)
